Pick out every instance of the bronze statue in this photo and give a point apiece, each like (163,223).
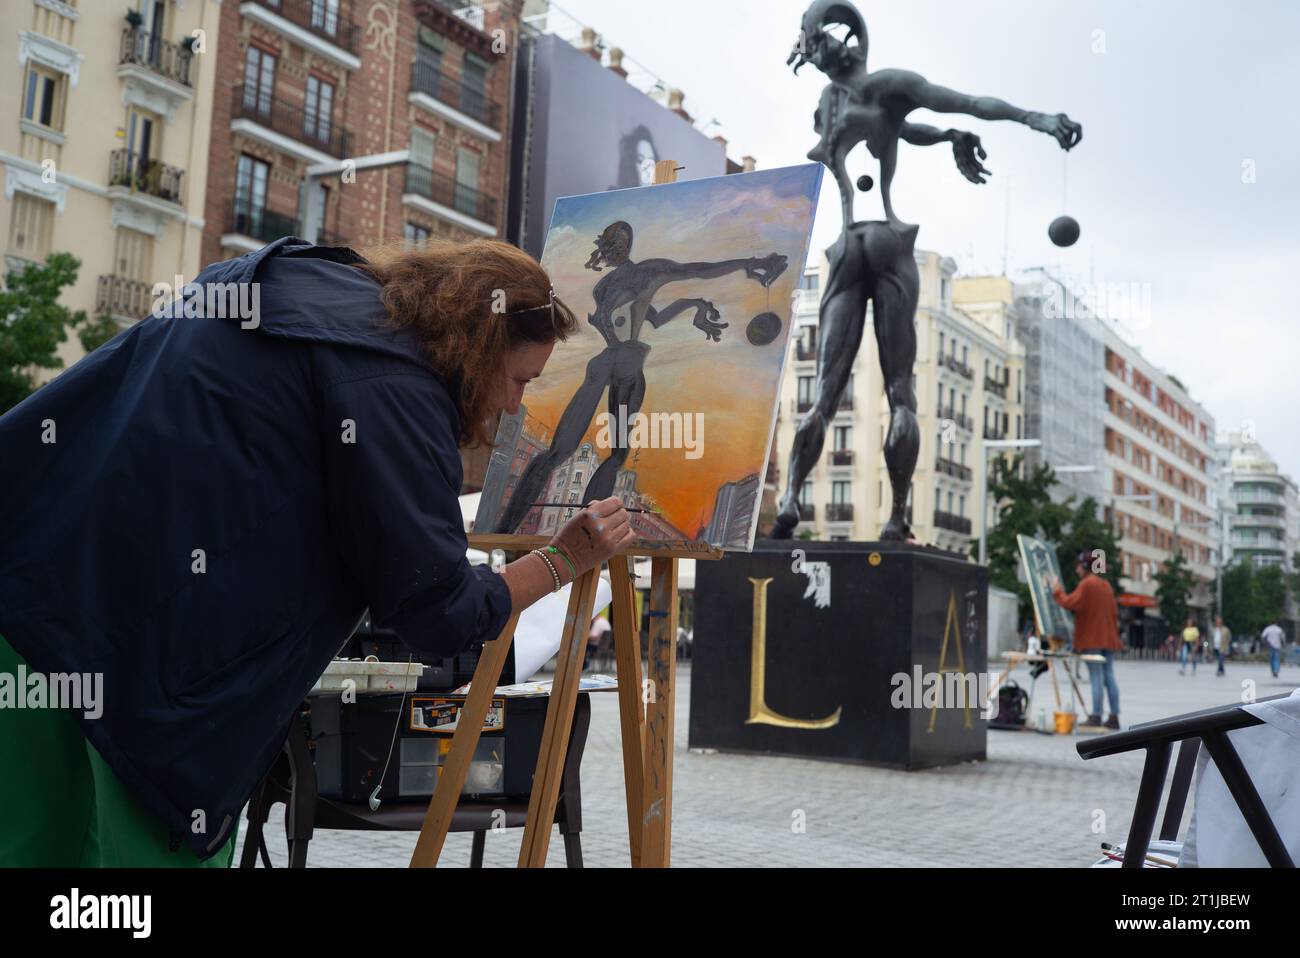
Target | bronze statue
(874,261)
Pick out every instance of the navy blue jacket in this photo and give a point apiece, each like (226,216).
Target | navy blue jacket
(203,534)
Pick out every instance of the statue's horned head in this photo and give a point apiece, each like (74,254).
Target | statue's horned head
(816,45)
(613,246)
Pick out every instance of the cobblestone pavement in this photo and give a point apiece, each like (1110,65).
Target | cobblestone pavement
(1032,803)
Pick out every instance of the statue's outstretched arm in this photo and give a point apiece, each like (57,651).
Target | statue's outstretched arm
(930,96)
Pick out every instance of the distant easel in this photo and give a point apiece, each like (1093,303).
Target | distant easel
(645,708)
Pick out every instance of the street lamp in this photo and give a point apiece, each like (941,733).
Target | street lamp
(984,504)
(312,207)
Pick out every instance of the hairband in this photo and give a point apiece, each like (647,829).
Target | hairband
(532,309)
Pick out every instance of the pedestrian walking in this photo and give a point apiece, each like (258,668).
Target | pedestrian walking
(1191,647)
(1222,642)
(1273,636)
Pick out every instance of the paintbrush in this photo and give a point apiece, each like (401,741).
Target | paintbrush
(574,505)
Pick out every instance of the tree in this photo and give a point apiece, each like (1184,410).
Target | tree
(1238,592)
(1268,598)
(1174,585)
(33,323)
(1025,507)
(99,332)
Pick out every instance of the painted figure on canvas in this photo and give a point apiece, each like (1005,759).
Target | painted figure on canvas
(619,369)
(667,396)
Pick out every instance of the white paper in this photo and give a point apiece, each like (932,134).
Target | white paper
(1218,836)
(537,636)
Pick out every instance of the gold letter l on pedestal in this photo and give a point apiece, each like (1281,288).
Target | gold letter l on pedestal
(759,713)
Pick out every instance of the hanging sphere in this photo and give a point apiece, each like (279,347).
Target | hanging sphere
(865,183)
(1064,231)
(763,329)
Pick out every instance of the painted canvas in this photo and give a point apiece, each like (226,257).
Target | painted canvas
(666,397)
(1040,567)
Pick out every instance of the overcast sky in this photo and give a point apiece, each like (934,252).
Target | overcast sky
(1178,100)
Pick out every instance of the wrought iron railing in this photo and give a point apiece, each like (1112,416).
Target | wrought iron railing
(260,223)
(465,97)
(167,59)
(321,131)
(422,181)
(121,296)
(328,21)
(143,175)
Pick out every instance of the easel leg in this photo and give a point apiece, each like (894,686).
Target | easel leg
(631,708)
(657,802)
(469,726)
(559,720)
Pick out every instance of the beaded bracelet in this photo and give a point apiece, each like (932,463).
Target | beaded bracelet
(550,565)
(567,561)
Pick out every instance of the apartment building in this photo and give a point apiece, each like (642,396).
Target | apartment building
(1260,501)
(307,85)
(106,143)
(968,380)
(1161,491)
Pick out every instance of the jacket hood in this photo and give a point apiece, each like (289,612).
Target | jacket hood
(293,289)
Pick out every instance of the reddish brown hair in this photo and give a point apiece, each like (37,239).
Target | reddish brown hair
(469,304)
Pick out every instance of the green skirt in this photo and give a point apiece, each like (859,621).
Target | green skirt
(61,806)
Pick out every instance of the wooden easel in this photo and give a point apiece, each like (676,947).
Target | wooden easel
(645,710)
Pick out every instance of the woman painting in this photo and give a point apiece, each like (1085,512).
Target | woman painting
(196,516)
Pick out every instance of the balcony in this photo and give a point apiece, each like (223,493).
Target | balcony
(466,106)
(139,174)
(991,433)
(954,469)
(251,227)
(803,405)
(839,512)
(807,512)
(995,387)
(122,298)
(1257,520)
(953,523)
(165,59)
(960,368)
(842,457)
(963,422)
(288,128)
(846,401)
(318,26)
(1259,497)
(443,196)
(805,352)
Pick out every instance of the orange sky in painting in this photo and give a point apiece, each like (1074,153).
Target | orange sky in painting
(732,383)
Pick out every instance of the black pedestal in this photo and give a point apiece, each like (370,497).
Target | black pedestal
(827,682)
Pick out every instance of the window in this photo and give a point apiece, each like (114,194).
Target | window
(43,100)
(961,505)
(467,195)
(320,104)
(325,15)
(842,437)
(964,355)
(839,493)
(810,282)
(31,224)
(940,344)
(132,254)
(805,390)
(416,235)
(250,195)
(805,494)
(259,80)
(473,87)
(949,502)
